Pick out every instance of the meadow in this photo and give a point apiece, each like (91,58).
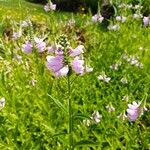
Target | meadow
(67,81)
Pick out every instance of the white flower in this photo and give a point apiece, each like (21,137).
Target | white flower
(50,7)
(87,122)
(88,69)
(146,21)
(94,119)
(115,66)
(103,77)
(97,18)
(137,16)
(114,27)
(122,116)
(121,18)
(138,7)
(2,103)
(110,108)
(124,80)
(96,116)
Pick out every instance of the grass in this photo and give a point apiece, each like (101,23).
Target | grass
(34,115)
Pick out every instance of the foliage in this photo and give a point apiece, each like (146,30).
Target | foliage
(34,116)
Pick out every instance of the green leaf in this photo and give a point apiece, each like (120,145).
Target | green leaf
(81,116)
(86,143)
(59,104)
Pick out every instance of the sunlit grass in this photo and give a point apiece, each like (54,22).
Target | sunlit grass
(31,119)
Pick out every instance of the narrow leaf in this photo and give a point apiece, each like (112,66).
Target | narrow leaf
(58,103)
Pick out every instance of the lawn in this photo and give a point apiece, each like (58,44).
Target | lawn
(67,82)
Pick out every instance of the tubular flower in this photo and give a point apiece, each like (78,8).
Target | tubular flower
(50,7)
(77,51)
(64,59)
(97,18)
(27,47)
(133,111)
(78,65)
(40,44)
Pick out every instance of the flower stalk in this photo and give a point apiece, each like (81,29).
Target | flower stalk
(70,114)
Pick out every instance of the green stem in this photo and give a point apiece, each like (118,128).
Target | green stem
(70,116)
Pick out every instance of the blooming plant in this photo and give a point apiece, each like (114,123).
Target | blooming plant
(50,7)
(63,61)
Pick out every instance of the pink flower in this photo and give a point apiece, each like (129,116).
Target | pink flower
(63,71)
(97,18)
(77,51)
(146,21)
(27,47)
(40,44)
(78,65)
(50,7)
(133,111)
(55,64)
(16,35)
(46,7)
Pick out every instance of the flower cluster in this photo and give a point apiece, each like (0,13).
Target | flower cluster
(137,16)
(114,27)
(110,108)
(121,19)
(64,59)
(115,66)
(17,35)
(97,18)
(133,61)
(50,7)
(103,77)
(39,44)
(133,111)
(125,6)
(26,23)
(94,119)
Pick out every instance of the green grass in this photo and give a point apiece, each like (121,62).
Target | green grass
(31,119)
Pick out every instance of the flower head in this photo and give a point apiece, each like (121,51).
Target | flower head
(97,18)
(110,108)
(96,117)
(78,65)
(114,27)
(50,7)
(133,111)
(27,47)
(65,59)
(40,44)
(77,51)
(103,77)
(121,19)
(16,35)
